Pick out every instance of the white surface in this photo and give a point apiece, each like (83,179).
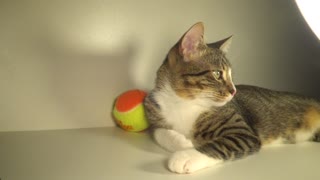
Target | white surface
(110,153)
(62,63)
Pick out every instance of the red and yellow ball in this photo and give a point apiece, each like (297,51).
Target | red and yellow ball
(129,111)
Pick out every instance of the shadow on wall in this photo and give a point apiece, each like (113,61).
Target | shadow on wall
(61,69)
(52,85)
(275,48)
(85,84)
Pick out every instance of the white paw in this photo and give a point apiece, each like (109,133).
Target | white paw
(172,140)
(189,161)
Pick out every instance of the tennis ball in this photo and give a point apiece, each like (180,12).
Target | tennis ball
(129,111)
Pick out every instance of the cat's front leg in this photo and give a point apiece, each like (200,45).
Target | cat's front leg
(171,140)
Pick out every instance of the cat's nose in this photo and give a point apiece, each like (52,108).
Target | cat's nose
(233,91)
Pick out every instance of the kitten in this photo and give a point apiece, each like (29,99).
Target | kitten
(197,112)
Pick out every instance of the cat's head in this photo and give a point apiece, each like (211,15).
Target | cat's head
(195,69)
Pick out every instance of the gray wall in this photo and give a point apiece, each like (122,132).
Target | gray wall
(62,63)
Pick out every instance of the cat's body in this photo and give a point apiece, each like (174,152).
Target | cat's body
(195,112)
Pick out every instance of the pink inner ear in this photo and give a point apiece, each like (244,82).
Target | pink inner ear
(191,40)
(188,45)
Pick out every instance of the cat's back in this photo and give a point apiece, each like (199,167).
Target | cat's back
(264,96)
(262,101)
(273,112)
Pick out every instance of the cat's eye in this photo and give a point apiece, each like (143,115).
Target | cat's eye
(217,74)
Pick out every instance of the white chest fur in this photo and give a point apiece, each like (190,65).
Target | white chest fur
(178,112)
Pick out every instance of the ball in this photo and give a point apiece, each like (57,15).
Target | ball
(129,112)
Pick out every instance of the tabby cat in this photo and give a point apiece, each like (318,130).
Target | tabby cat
(197,112)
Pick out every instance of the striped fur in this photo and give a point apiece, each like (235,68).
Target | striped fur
(227,136)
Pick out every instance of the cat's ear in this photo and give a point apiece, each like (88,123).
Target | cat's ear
(223,44)
(190,42)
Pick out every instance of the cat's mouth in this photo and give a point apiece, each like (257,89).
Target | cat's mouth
(222,101)
(229,98)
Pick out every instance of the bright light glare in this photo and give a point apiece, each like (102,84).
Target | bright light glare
(310,10)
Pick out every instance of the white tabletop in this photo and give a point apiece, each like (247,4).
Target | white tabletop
(111,153)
